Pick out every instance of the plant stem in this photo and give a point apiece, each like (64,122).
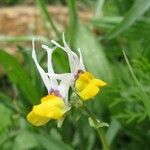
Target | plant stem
(99,130)
(73,20)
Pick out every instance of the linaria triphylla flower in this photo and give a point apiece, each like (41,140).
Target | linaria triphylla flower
(55,104)
(85,84)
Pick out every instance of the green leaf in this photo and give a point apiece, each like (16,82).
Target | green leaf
(93,54)
(144,97)
(112,130)
(7,101)
(6,136)
(59,61)
(5,116)
(108,23)
(18,76)
(49,142)
(25,140)
(98,125)
(73,20)
(137,10)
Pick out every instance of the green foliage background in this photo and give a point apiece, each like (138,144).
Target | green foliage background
(116,25)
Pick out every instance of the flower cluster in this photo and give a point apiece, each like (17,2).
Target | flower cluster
(55,104)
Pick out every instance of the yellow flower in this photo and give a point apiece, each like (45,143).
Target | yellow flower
(55,104)
(87,86)
(51,107)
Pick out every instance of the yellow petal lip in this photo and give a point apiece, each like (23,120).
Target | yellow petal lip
(37,120)
(99,82)
(87,86)
(51,107)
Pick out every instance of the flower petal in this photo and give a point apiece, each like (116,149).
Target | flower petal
(89,92)
(37,120)
(53,81)
(58,45)
(66,80)
(99,82)
(87,86)
(82,67)
(64,89)
(49,58)
(68,77)
(53,108)
(73,58)
(41,71)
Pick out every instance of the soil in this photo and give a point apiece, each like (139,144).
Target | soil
(26,20)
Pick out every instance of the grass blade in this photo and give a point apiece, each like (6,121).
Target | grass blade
(93,54)
(144,97)
(4,38)
(47,17)
(136,11)
(73,20)
(18,76)
(50,142)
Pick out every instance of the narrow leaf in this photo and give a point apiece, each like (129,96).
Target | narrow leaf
(49,142)
(144,97)
(137,10)
(93,54)
(18,76)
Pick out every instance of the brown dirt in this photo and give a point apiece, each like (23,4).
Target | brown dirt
(26,20)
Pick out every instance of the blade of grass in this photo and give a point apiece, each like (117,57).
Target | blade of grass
(22,38)
(73,20)
(48,21)
(108,23)
(50,142)
(93,54)
(5,138)
(98,8)
(18,76)
(8,102)
(112,130)
(144,97)
(137,10)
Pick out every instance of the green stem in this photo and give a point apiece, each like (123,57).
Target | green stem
(99,130)
(73,20)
